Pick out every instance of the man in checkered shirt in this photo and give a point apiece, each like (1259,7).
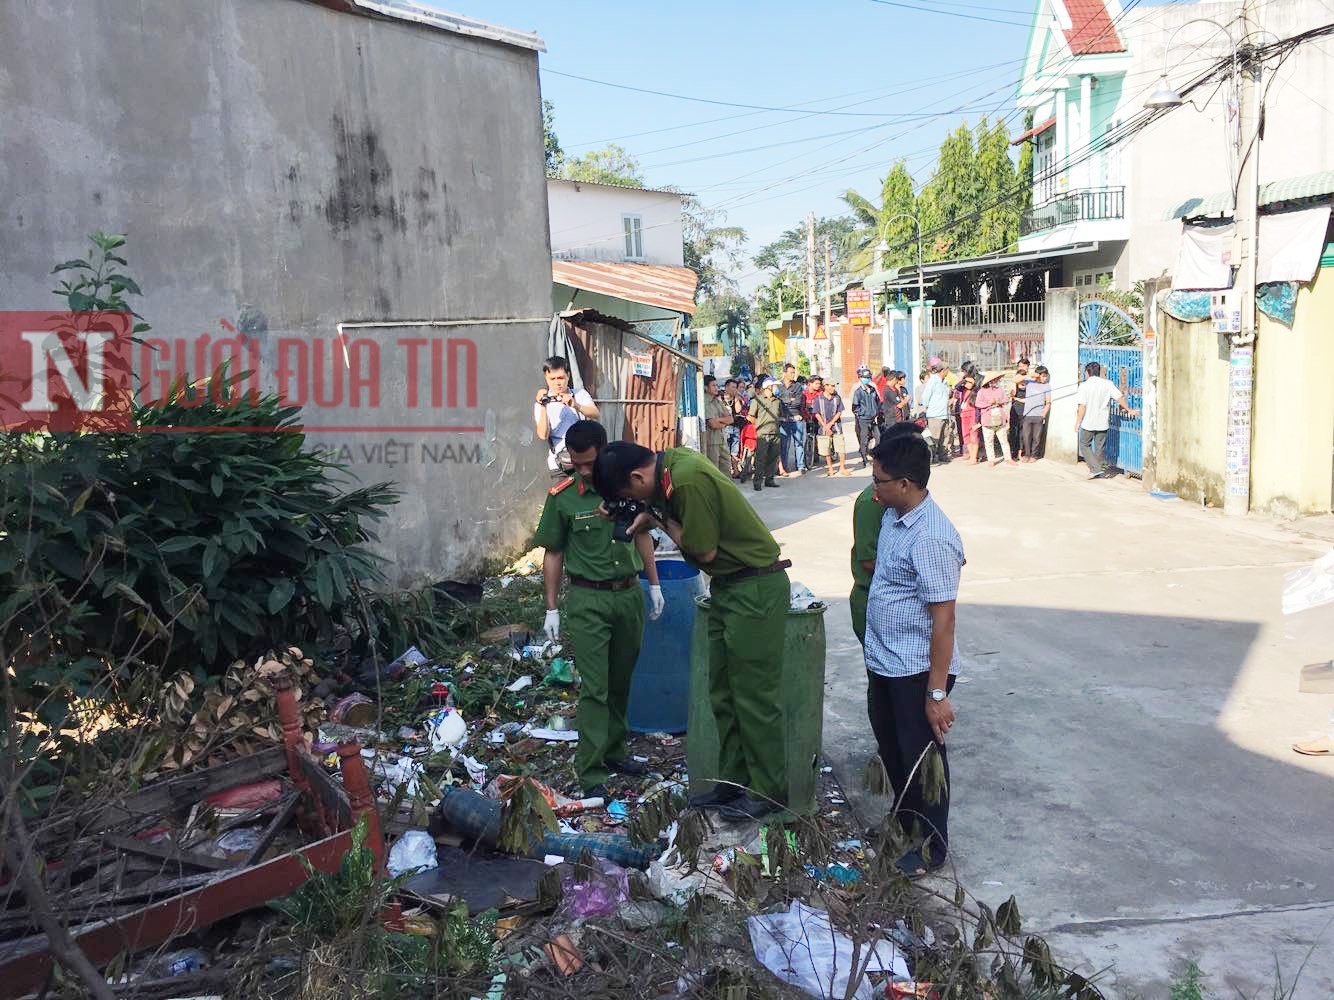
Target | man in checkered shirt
(911,654)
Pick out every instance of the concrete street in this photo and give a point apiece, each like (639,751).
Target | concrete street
(1126,707)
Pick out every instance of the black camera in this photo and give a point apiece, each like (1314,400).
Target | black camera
(623,514)
(546,398)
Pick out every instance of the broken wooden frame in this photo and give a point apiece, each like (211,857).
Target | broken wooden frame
(324,810)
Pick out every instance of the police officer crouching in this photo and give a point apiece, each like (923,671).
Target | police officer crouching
(720,533)
(604,607)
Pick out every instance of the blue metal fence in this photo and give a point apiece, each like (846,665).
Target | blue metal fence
(1125,367)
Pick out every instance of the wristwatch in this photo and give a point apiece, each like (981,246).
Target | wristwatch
(937,694)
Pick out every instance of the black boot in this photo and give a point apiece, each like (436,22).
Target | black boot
(757,487)
(770,482)
(721,795)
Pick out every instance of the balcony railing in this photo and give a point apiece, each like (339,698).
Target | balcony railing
(997,316)
(1087,204)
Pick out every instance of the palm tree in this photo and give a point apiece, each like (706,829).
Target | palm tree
(890,220)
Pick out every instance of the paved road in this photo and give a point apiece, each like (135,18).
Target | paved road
(1128,698)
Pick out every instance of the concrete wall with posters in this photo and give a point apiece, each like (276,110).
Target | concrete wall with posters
(285,166)
(1294,406)
(1191,410)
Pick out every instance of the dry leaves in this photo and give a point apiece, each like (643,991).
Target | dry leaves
(240,709)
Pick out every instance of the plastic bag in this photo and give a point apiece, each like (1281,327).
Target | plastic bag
(244,839)
(414,851)
(1311,587)
(446,729)
(801,948)
(597,893)
(802,598)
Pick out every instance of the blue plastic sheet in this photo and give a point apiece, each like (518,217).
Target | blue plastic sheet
(1189,307)
(1277,300)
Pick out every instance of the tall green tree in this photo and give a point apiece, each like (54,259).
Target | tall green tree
(730,313)
(999,191)
(612,164)
(711,250)
(891,221)
(1026,152)
(949,197)
(555,156)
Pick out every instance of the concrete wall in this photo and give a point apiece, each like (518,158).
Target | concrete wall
(1294,405)
(1061,356)
(586,222)
(286,167)
(1190,416)
(1184,154)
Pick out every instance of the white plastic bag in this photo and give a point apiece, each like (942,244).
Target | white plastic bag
(1311,587)
(802,949)
(446,728)
(414,851)
(802,598)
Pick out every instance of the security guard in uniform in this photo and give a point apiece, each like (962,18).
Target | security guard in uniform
(604,607)
(720,533)
(866,517)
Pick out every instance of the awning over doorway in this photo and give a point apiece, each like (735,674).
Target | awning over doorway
(648,284)
(906,277)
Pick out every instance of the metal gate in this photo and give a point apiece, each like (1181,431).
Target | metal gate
(1111,337)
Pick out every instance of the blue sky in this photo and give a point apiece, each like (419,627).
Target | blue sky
(901,79)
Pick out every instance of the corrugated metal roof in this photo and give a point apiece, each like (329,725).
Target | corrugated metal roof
(1318,185)
(906,275)
(1091,29)
(650,284)
(619,187)
(433,17)
(1036,130)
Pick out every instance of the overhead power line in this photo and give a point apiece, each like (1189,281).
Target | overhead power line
(952,13)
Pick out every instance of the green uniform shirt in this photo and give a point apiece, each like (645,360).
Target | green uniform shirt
(866,517)
(766,414)
(570,524)
(713,514)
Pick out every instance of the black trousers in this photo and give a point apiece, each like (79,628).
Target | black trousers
(897,709)
(1016,430)
(868,433)
(766,458)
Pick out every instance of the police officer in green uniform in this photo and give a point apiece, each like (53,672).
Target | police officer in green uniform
(766,413)
(720,533)
(866,516)
(604,607)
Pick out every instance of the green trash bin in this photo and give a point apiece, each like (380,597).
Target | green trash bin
(803,706)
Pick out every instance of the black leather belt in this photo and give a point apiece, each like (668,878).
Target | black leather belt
(748,572)
(621,584)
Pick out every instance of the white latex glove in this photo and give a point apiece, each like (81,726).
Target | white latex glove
(655,602)
(551,626)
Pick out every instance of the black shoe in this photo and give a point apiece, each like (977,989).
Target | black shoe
(757,487)
(625,765)
(721,795)
(770,483)
(748,808)
(598,791)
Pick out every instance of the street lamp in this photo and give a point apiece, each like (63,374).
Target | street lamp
(1165,96)
(919,328)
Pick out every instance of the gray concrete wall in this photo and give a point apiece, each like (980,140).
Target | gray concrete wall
(286,167)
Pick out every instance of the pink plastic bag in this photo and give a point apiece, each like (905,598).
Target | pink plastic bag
(598,895)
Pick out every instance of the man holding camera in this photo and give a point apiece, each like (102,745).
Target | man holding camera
(719,532)
(557,408)
(604,607)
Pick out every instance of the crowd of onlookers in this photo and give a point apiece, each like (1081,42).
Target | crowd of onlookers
(767,428)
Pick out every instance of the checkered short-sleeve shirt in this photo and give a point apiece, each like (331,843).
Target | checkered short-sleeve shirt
(918,562)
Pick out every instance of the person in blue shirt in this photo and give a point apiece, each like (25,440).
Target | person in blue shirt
(911,654)
(936,403)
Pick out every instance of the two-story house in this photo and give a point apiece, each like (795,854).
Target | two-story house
(619,250)
(1075,85)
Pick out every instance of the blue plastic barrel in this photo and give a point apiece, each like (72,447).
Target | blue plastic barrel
(660,688)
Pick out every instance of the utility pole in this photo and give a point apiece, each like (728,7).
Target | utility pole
(828,363)
(810,276)
(1246,217)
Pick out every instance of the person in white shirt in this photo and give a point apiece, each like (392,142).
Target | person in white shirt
(557,409)
(1095,399)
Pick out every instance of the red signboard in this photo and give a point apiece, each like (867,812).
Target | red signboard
(859,306)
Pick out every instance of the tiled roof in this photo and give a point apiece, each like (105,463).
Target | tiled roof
(651,284)
(1091,29)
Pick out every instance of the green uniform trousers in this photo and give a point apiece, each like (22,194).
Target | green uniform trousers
(766,458)
(857,603)
(747,623)
(605,629)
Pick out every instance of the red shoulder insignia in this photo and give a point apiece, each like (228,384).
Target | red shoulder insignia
(667,483)
(567,481)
